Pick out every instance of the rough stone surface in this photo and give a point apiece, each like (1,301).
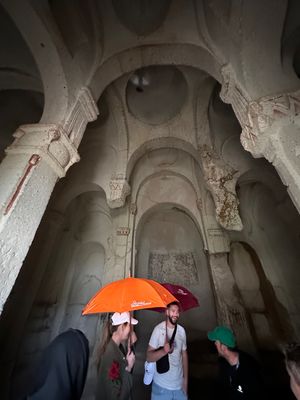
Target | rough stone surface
(156,99)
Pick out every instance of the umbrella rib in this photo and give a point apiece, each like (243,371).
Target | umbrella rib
(122,298)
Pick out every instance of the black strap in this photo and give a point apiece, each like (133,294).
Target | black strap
(173,336)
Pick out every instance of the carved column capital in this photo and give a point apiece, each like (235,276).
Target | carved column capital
(119,190)
(84,110)
(265,113)
(232,93)
(49,141)
(256,117)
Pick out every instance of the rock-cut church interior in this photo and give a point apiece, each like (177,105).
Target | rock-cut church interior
(157,139)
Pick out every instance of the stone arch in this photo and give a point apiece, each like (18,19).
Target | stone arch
(165,173)
(86,175)
(162,142)
(65,197)
(266,176)
(115,101)
(39,40)
(188,202)
(162,54)
(176,206)
(201,113)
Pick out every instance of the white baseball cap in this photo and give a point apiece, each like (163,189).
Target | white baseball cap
(121,318)
(149,372)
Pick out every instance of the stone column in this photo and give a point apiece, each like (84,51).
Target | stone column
(270,129)
(12,328)
(230,309)
(39,156)
(229,306)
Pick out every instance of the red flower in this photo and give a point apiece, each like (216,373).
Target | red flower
(114,371)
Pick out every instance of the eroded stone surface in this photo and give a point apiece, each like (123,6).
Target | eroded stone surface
(163,184)
(221,180)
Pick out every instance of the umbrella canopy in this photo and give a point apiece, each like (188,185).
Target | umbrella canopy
(129,294)
(185,298)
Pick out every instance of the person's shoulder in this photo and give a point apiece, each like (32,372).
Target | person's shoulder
(161,325)
(246,358)
(112,347)
(180,329)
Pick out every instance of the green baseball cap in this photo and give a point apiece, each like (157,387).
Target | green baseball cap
(223,335)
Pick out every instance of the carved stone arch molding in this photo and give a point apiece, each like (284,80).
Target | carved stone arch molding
(175,189)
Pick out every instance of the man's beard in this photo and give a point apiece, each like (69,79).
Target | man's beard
(172,322)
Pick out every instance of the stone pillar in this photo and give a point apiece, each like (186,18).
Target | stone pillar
(12,328)
(39,156)
(270,129)
(230,309)
(221,180)
(229,306)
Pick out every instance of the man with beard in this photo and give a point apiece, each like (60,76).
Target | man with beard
(172,384)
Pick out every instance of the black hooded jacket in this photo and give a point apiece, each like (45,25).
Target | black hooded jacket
(62,370)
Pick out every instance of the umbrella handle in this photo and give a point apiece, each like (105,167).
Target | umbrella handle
(131,346)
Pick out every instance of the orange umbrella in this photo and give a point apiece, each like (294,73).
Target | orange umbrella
(129,294)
